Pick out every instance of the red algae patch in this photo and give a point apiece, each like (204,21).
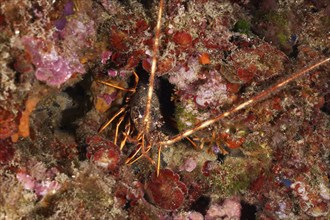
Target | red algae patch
(103,153)
(166,190)
(6,150)
(182,39)
(7,124)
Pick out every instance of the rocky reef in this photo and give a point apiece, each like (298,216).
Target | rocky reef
(268,161)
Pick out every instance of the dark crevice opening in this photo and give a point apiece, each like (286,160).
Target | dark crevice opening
(167,106)
(326,106)
(147,4)
(295,51)
(201,205)
(82,151)
(248,211)
(82,103)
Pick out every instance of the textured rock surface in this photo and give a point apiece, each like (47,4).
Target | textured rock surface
(270,161)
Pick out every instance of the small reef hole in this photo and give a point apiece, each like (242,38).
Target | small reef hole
(201,204)
(248,211)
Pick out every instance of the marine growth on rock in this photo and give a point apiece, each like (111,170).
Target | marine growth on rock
(198,109)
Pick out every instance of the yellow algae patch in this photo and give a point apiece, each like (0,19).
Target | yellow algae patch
(106,96)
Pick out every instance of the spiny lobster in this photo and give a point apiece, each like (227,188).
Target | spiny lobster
(141,124)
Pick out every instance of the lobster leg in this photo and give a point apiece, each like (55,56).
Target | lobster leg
(158,159)
(126,135)
(130,160)
(194,144)
(121,119)
(115,86)
(121,110)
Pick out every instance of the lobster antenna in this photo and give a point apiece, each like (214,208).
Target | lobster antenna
(243,105)
(146,121)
